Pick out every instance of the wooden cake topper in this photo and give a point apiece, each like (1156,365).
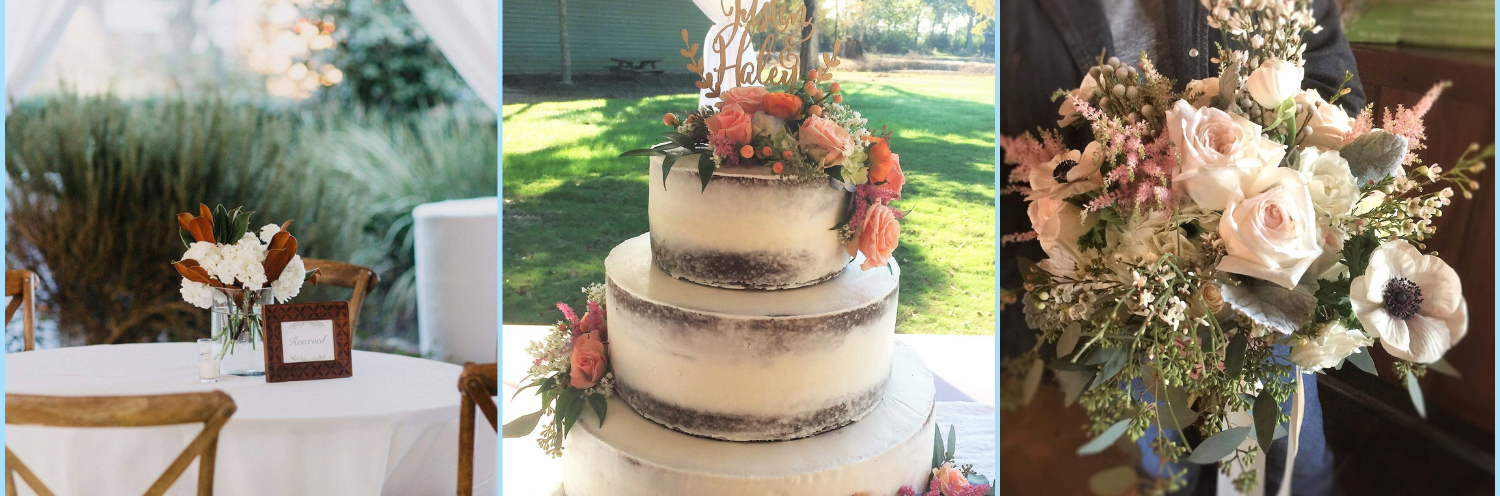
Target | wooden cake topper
(770,20)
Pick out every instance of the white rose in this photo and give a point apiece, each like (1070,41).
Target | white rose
(1146,237)
(1328,349)
(1327,121)
(1274,82)
(1329,181)
(1085,92)
(1217,151)
(1067,174)
(1209,88)
(1413,302)
(1058,225)
(197,294)
(1270,229)
(764,124)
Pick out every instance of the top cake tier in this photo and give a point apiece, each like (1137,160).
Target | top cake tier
(748,230)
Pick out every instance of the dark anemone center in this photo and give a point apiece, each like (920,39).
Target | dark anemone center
(1403,298)
(1060,174)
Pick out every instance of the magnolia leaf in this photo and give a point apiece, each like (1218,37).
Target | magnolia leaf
(1072,383)
(1234,356)
(1218,446)
(1033,379)
(1112,367)
(522,425)
(1415,390)
(705,170)
(1105,439)
(1113,481)
(600,404)
(187,237)
(1270,304)
(1361,358)
(1266,413)
(1069,339)
(1174,403)
(1374,156)
(1443,367)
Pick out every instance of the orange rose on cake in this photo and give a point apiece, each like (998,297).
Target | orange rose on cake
(885,167)
(731,122)
(824,140)
(747,97)
(783,105)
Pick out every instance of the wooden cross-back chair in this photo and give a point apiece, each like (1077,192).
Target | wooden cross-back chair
(213,409)
(354,277)
(20,287)
(478,384)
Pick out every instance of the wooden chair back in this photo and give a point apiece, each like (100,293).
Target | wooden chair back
(359,279)
(20,287)
(478,384)
(213,409)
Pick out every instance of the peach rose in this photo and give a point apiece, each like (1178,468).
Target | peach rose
(747,97)
(731,122)
(878,236)
(949,479)
(823,140)
(783,105)
(588,361)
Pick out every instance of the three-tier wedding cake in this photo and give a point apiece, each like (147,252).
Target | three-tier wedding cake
(755,358)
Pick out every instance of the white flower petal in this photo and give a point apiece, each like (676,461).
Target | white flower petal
(1429,339)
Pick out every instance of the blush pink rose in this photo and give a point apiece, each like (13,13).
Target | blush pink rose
(823,140)
(948,479)
(731,122)
(588,361)
(878,236)
(747,97)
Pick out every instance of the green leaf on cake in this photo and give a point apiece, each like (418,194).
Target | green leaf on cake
(646,152)
(1218,446)
(1105,439)
(705,169)
(952,444)
(937,448)
(573,410)
(522,425)
(848,212)
(600,404)
(679,139)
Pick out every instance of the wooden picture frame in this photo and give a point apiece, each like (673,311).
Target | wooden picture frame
(277,367)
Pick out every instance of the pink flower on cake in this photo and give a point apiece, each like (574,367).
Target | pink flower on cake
(948,479)
(731,122)
(588,361)
(747,97)
(594,322)
(877,236)
(824,140)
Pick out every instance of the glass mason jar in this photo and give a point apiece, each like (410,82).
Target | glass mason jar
(236,329)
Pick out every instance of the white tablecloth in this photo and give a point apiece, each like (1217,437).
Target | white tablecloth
(457,286)
(392,428)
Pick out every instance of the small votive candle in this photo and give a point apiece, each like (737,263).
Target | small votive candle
(208,367)
(205,345)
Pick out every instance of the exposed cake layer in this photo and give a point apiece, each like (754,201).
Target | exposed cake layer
(750,229)
(748,365)
(890,448)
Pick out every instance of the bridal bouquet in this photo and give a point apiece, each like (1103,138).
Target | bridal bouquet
(1209,246)
(800,132)
(570,370)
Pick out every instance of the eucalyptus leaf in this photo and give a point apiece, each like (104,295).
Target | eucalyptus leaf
(1113,481)
(977,480)
(522,425)
(1415,389)
(1173,401)
(1266,412)
(1032,381)
(1072,383)
(1218,446)
(1234,356)
(1105,439)
(1374,156)
(1443,367)
(1069,339)
(1361,358)
(1270,304)
(1112,367)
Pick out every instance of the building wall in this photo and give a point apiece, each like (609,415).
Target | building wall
(598,30)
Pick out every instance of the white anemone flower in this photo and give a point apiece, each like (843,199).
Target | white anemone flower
(1413,302)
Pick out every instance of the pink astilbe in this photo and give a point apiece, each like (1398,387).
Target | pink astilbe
(933,489)
(1363,124)
(571,317)
(1407,122)
(1026,151)
(866,195)
(1018,238)
(725,148)
(1143,175)
(906,491)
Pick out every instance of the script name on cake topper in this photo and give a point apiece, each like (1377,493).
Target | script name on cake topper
(732,39)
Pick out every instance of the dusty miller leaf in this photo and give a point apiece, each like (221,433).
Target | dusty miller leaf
(1374,156)
(1269,304)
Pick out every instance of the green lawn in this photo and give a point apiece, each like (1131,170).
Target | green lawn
(569,198)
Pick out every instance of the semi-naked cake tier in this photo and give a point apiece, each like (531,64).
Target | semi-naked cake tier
(749,230)
(631,456)
(744,365)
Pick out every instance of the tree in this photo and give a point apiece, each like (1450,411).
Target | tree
(386,57)
(562,34)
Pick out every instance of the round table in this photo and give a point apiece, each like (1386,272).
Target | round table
(392,428)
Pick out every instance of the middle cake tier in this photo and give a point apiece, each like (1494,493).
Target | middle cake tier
(745,365)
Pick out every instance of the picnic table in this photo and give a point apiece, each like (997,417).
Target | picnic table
(631,70)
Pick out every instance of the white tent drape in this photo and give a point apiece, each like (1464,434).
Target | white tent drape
(468,33)
(32,30)
(721,12)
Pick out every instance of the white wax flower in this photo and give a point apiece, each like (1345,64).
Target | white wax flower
(1413,302)
(1274,82)
(1333,345)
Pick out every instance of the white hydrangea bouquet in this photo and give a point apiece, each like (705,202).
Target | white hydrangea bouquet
(1210,246)
(234,271)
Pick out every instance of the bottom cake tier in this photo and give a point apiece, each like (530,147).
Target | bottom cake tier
(631,456)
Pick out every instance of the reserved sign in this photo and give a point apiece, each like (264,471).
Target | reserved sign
(307,341)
